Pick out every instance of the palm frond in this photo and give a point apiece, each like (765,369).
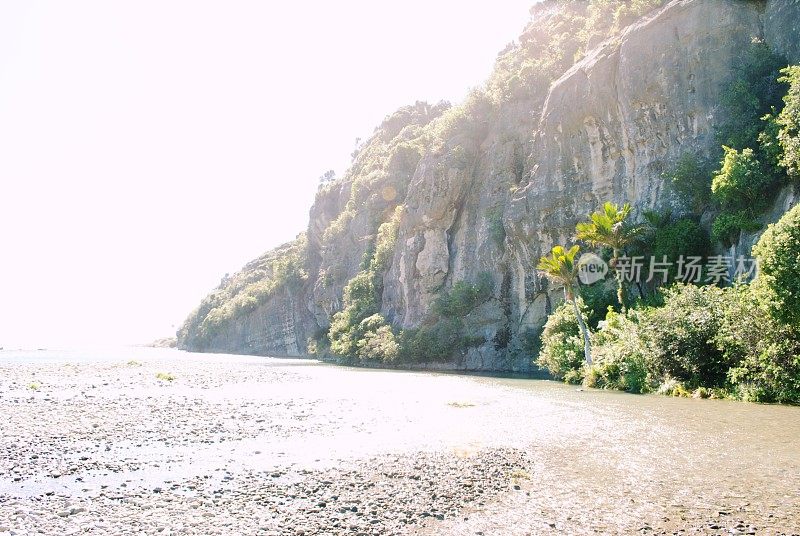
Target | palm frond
(560,266)
(608,227)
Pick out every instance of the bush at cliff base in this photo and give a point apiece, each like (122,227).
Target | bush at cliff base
(562,346)
(704,341)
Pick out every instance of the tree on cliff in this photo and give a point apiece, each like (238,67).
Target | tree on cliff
(609,227)
(778,252)
(560,267)
(789,122)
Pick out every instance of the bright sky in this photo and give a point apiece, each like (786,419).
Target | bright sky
(149,147)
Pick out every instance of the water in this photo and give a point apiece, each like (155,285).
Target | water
(600,447)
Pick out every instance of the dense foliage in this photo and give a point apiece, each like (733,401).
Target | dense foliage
(788,123)
(691,179)
(562,346)
(740,187)
(749,177)
(463,297)
(779,255)
(359,330)
(740,342)
(753,92)
(679,237)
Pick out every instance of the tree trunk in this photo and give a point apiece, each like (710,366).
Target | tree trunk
(641,290)
(620,282)
(587,344)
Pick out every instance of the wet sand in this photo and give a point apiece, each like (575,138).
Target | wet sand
(239,445)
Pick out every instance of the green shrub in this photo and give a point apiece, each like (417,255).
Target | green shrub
(494,220)
(376,341)
(360,300)
(682,237)
(672,387)
(681,336)
(463,297)
(438,342)
(778,252)
(620,360)
(744,188)
(360,295)
(667,236)
(741,182)
(764,352)
(772,374)
(727,226)
(385,242)
(743,323)
(598,297)
(691,179)
(562,345)
(770,149)
(788,122)
(753,93)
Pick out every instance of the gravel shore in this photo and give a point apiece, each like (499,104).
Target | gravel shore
(216,445)
(109,448)
(386,495)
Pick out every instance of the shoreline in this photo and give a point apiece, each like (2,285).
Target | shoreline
(246,446)
(541,374)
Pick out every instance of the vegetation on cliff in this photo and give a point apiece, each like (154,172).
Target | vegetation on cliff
(279,270)
(359,330)
(740,341)
(749,176)
(523,71)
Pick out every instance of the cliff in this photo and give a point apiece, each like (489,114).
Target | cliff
(441,198)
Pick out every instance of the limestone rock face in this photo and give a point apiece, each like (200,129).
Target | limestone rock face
(782,27)
(495,196)
(276,328)
(618,119)
(608,129)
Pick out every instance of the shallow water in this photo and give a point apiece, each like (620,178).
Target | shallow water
(597,446)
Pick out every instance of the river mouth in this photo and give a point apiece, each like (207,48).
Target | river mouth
(470,454)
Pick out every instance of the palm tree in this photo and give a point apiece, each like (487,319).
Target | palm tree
(609,227)
(561,268)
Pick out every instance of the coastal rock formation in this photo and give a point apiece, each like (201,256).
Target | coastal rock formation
(489,186)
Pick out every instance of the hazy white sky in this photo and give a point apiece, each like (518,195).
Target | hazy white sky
(148,147)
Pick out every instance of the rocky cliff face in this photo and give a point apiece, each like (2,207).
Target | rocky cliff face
(275,328)
(491,185)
